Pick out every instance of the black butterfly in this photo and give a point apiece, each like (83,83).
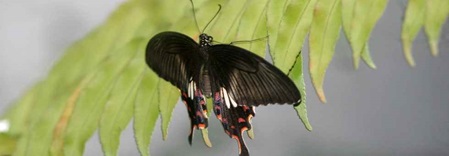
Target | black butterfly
(235,78)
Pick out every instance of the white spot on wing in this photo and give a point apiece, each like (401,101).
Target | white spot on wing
(191,89)
(226,98)
(234,104)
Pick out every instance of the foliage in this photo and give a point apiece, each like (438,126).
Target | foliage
(102,81)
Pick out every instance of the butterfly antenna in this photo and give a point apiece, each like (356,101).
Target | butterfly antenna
(194,16)
(218,11)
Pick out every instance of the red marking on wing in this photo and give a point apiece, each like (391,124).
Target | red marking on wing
(233,120)
(197,111)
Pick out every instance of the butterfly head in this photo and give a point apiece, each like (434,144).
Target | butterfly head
(205,40)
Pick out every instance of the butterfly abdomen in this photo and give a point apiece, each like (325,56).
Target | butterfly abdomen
(205,81)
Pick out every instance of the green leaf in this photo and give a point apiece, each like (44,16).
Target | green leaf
(18,115)
(275,12)
(42,122)
(120,106)
(168,95)
(298,77)
(365,15)
(287,25)
(57,144)
(7,144)
(414,20)
(289,33)
(436,13)
(347,19)
(366,56)
(87,111)
(224,26)
(324,34)
(97,78)
(252,26)
(146,111)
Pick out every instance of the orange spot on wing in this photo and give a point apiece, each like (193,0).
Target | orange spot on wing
(202,126)
(243,129)
(219,117)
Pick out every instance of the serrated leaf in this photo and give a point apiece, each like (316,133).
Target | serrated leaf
(287,24)
(18,115)
(260,36)
(413,21)
(298,77)
(251,28)
(87,111)
(84,56)
(324,34)
(168,97)
(347,19)
(146,111)
(58,132)
(436,13)
(275,12)
(226,22)
(120,106)
(365,16)
(144,18)
(46,112)
(366,56)
(291,32)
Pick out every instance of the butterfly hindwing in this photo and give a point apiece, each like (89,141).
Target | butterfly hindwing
(235,120)
(196,108)
(249,79)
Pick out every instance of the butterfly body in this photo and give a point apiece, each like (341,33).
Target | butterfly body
(236,79)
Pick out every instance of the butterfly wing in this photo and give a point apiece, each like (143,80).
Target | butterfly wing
(174,57)
(249,79)
(235,120)
(241,80)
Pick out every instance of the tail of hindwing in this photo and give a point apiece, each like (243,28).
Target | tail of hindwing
(235,119)
(196,108)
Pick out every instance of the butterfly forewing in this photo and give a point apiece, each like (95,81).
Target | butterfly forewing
(249,79)
(174,57)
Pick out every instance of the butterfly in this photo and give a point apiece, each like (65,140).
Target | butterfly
(236,79)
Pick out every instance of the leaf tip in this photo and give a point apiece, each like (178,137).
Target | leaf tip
(408,56)
(321,95)
(206,139)
(309,127)
(434,48)
(250,133)
(411,62)
(164,135)
(164,128)
(356,63)
(302,114)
